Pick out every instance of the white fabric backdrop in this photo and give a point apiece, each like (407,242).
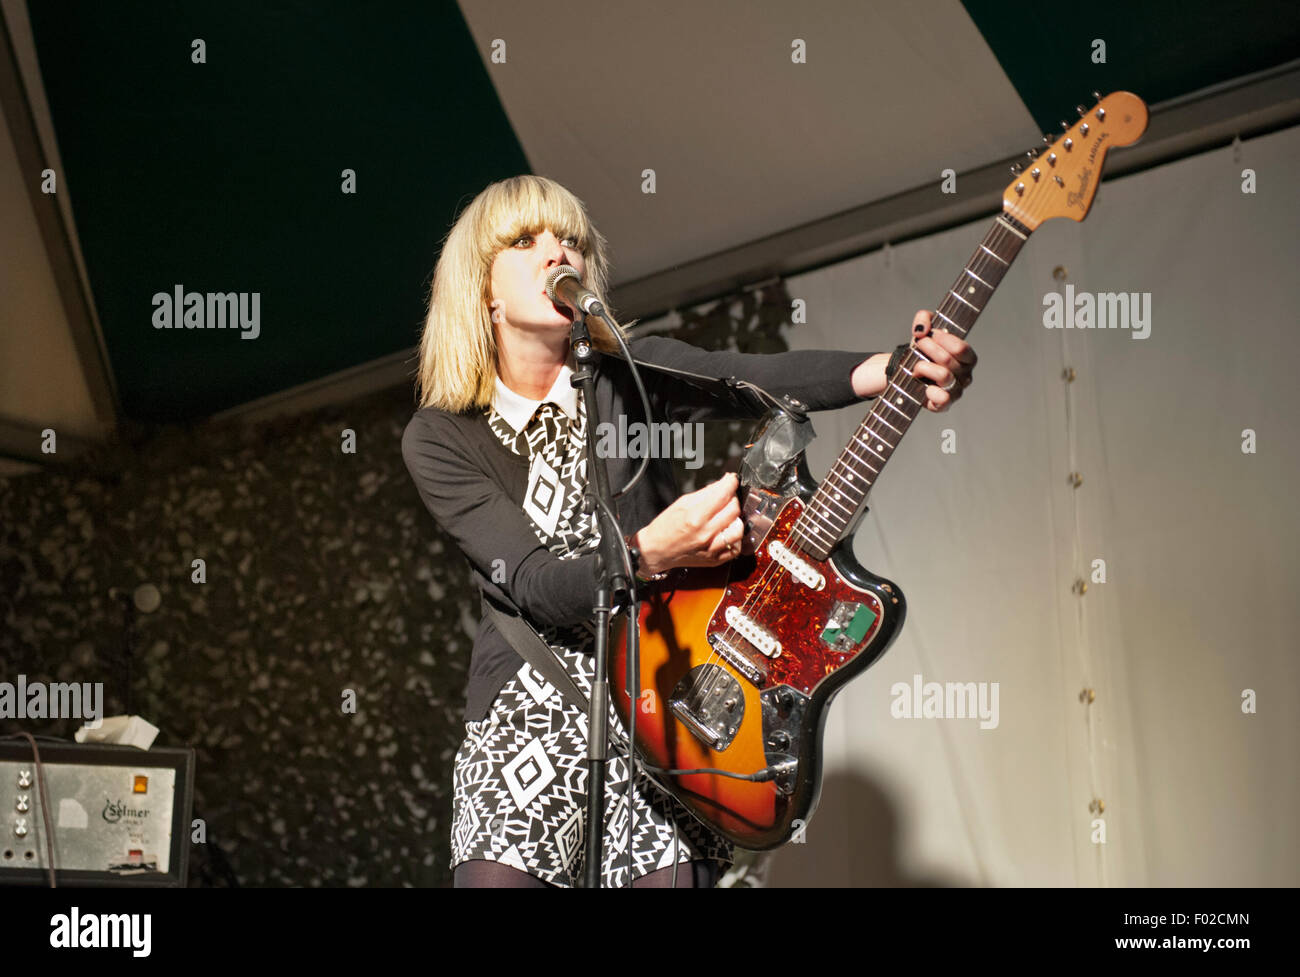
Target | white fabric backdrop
(1199,541)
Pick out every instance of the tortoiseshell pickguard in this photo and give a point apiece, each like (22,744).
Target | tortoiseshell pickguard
(796,614)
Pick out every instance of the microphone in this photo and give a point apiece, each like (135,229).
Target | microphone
(564,287)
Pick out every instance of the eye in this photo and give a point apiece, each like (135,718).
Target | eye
(522,239)
(570,242)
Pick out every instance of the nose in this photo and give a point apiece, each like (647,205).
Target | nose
(551,249)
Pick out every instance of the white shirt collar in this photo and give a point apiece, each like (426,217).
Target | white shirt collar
(516,410)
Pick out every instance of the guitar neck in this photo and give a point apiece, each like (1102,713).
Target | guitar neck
(838,501)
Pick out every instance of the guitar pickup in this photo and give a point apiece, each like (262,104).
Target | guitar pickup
(758,636)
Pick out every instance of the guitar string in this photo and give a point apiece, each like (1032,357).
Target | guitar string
(760,592)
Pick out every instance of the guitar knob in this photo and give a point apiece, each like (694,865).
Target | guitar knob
(779,741)
(785,701)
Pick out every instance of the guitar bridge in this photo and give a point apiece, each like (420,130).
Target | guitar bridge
(737,659)
(710,703)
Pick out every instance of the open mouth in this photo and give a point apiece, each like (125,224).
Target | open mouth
(564,310)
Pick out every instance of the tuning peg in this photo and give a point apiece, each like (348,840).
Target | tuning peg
(1047,139)
(1032,154)
(1065,126)
(1015,169)
(1081,110)
(1097,96)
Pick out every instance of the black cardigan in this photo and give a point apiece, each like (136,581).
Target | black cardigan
(473,485)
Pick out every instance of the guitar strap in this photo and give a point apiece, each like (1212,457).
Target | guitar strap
(532,649)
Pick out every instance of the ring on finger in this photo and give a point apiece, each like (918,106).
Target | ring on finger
(951,384)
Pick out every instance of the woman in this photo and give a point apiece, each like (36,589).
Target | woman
(497,450)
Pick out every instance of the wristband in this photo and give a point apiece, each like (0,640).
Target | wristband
(892,366)
(634,552)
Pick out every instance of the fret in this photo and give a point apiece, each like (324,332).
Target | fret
(870,468)
(835,502)
(972,289)
(858,483)
(841,491)
(957,326)
(847,476)
(854,487)
(962,300)
(885,422)
(880,439)
(978,279)
(900,410)
(806,523)
(872,450)
(997,256)
(874,471)
(895,385)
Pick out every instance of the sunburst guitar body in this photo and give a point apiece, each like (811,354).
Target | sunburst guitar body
(738,664)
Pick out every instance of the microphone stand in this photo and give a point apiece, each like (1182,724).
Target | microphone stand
(611,580)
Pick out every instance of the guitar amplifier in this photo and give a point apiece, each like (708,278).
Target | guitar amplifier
(119,816)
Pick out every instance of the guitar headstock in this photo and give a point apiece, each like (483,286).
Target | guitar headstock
(1062,179)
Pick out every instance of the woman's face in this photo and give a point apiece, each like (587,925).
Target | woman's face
(518,281)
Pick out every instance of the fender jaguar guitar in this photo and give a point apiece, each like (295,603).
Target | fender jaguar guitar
(739,663)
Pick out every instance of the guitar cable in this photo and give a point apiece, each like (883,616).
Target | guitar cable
(757,777)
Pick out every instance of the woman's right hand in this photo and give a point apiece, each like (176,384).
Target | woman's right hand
(701,529)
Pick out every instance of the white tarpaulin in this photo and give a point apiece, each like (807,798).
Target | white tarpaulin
(987,540)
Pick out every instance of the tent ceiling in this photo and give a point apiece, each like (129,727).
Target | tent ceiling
(226,176)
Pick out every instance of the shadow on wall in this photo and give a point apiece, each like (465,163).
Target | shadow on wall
(852,841)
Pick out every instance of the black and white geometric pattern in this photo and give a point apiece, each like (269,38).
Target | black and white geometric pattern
(520,775)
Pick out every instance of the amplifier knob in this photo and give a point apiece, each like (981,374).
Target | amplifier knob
(24,778)
(24,802)
(20,828)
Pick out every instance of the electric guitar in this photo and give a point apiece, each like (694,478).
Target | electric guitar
(739,663)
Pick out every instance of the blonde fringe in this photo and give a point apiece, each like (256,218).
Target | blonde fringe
(457,367)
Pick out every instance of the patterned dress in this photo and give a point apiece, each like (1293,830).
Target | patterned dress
(520,775)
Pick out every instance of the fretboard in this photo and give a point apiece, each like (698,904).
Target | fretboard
(835,505)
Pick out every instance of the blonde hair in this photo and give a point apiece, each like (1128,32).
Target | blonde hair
(458,349)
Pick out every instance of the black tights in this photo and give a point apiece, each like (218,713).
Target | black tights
(478,873)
